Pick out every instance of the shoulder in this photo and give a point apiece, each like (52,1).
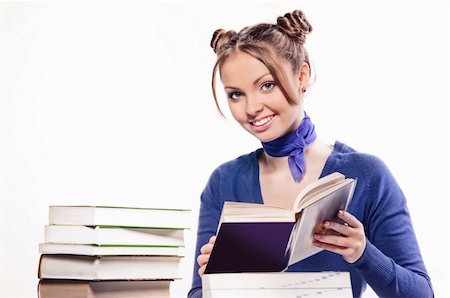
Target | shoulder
(370,170)
(234,179)
(238,171)
(375,181)
(355,162)
(239,166)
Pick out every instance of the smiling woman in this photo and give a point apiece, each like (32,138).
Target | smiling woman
(265,72)
(109,103)
(255,88)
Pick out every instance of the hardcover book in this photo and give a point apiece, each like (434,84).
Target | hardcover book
(100,235)
(57,288)
(260,238)
(109,250)
(108,267)
(120,216)
(277,284)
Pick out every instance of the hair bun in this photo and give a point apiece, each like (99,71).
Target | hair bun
(295,25)
(220,38)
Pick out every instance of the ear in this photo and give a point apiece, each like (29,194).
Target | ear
(303,76)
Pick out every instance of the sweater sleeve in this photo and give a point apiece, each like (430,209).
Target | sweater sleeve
(391,263)
(209,215)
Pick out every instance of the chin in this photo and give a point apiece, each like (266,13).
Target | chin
(264,137)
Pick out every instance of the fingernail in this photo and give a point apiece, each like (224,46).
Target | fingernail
(317,236)
(341,212)
(327,224)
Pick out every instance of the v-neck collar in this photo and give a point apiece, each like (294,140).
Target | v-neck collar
(328,168)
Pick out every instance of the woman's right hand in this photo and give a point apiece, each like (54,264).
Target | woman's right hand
(205,251)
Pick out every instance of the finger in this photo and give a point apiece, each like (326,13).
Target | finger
(350,219)
(330,247)
(350,253)
(212,240)
(202,259)
(334,240)
(340,228)
(206,249)
(201,270)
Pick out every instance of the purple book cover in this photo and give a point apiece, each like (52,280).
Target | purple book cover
(250,247)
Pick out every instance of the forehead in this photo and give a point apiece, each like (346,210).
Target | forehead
(242,67)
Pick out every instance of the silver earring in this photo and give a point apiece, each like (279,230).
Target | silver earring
(304,89)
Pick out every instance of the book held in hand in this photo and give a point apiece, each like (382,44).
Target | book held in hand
(261,238)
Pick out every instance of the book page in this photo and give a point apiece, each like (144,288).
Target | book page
(318,194)
(311,218)
(315,186)
(253,212)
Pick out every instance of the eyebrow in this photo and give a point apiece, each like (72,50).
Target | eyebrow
(254,83)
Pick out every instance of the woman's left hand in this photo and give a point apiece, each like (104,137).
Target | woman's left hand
(352,241)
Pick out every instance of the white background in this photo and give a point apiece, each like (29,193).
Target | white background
(110,104)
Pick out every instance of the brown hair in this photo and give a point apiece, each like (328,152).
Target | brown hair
(267,43)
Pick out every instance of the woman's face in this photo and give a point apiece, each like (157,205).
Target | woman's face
(255,100)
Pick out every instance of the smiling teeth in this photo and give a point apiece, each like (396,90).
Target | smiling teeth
(262,121)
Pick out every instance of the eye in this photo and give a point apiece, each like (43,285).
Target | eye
(234,95)
(268,86)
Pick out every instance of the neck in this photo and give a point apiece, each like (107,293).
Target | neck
(274,164)
(293,145)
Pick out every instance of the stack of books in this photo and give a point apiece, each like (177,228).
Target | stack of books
(98,251)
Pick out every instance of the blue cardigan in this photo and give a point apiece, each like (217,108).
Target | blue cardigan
(391,263)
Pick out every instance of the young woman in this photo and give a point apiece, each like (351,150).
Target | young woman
(265,71)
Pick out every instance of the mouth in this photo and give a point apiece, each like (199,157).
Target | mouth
(262,121)
(262,124)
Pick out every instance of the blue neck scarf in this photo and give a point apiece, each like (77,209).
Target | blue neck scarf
(292,145)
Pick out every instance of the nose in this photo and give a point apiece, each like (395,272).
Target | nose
(253,106)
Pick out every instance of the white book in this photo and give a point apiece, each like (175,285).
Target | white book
(108,267)
(95,250)
(112,235)
(57,288)
(277,284)
(120,216)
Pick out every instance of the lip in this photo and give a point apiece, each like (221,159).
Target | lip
(263,127)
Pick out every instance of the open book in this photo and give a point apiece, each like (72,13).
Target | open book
(261,238)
